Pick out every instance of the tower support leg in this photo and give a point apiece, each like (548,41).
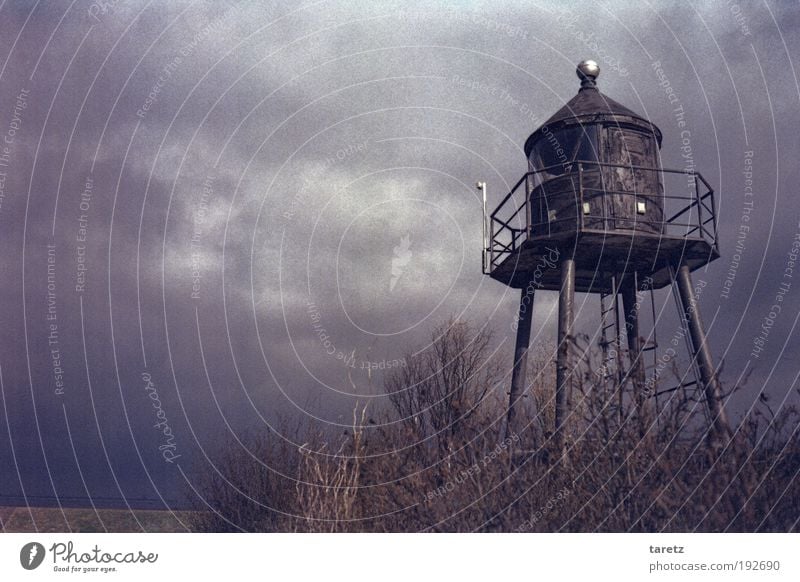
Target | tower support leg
(566,318)
(702,355)
(520,357)
(637,374)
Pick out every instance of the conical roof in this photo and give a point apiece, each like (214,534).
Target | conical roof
(590,101)
(590,105)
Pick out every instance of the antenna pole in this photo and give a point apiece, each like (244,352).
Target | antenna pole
(482,187)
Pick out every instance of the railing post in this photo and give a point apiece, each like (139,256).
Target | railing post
(713,215)
(528,220)
(699,206)
(580,196)
(491,244)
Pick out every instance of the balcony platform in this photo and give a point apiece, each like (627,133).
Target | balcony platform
(525,241)
(598,254)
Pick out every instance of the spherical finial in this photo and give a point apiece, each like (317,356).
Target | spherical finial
(587,72)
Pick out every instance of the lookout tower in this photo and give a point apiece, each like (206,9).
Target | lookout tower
(596,213)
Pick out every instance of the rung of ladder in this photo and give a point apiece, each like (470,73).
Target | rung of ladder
(678,387)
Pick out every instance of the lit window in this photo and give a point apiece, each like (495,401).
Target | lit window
(551,215)
(641,208)
(586,208)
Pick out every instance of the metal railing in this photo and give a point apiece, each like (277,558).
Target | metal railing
(691,216)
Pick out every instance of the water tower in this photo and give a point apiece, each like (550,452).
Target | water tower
(596,213)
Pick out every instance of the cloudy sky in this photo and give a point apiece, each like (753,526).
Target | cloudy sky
(215,215)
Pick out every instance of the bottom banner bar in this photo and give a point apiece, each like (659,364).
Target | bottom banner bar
(348,557)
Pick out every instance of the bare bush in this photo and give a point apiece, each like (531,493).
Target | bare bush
(249,488)
(440,459)
(327,485)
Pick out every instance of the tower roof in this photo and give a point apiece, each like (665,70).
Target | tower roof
(589,102)
(590,105)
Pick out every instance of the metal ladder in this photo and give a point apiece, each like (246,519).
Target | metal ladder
(651,342)
(612,370)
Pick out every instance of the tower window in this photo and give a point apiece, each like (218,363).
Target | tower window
(641,207)
(561,149)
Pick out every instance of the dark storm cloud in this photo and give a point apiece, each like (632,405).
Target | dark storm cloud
(308,174)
